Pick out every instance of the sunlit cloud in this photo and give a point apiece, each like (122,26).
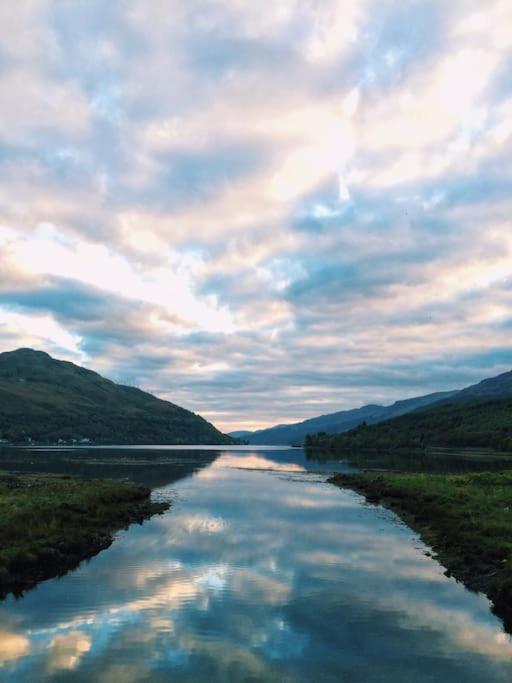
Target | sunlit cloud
(13,646)
(307,205)
(67,650)
(38,330)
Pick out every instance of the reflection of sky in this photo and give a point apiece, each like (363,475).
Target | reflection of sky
(256,575)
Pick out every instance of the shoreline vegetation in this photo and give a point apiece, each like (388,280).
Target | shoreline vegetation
(466,519)
(51,523)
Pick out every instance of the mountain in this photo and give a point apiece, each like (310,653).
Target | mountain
(240,434)
(480,423)
(345,420)
(46,400)
(478,416)
(341,421)
(494,387)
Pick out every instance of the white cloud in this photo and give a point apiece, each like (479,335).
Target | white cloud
(66,650)
(39,331)
(292,201)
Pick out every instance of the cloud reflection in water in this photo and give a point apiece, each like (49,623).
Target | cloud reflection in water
(256,574)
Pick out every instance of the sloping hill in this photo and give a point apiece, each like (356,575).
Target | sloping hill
(45,400)
(240,434)
(494,387)
(345,420)
(334,423)
(484,423)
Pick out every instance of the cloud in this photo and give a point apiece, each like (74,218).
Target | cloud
(13,646)
(260,215)
(67,650)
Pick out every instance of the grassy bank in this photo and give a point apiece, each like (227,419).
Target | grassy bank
(49,523)
(466,519)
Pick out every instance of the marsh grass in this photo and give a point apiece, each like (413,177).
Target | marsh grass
(49,523)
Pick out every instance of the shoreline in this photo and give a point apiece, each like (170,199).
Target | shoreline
(49,524)
(465,519)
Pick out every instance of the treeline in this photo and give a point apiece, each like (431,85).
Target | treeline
(481,424)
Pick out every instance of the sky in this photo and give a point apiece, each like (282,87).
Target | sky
(262,213)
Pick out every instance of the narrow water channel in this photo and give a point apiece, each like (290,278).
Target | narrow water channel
(260,571)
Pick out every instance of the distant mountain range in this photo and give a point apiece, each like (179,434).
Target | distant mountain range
(334,423)
(343,421)
(480,422)
(45,400)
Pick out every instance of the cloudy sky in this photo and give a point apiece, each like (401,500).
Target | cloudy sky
(260,212)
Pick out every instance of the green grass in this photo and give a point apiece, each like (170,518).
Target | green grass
(466,519)
(49,523)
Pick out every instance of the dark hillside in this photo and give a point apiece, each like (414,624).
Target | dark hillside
(45,400)
(485,423)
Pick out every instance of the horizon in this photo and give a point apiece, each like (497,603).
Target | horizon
(259,216)
(283,424)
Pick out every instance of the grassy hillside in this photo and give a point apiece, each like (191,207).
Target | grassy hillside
(482,424)
(45,400)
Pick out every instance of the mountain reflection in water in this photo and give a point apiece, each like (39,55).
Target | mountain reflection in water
(260,571)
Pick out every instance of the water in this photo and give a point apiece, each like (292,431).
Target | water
(260,571)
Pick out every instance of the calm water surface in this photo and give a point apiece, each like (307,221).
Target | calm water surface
(260,571)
